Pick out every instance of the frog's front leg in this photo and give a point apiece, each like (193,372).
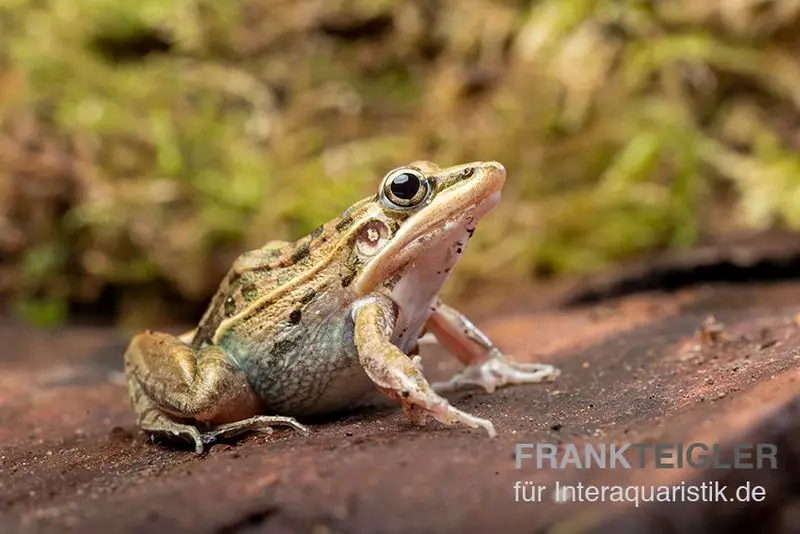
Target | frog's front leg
(486,365)
(397,375)
(173,386)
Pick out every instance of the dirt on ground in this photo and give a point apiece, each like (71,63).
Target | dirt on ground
(718,363)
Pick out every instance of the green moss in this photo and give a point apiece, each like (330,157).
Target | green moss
(44,313)
(189,129)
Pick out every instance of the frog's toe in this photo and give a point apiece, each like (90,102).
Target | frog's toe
(445,413)
(263,424)
(185,433)
(498,372)
(449,415)
(194,437)
(199,445)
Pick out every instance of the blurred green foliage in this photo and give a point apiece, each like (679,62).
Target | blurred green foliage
(147,143)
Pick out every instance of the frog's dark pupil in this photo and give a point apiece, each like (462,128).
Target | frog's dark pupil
(405,186)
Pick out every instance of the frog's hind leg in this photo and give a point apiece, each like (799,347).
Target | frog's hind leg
(174,388)
(486,365)
(151,419)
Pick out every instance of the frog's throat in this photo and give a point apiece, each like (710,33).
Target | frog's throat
(462,204)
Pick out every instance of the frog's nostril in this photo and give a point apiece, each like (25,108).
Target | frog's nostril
(466,172)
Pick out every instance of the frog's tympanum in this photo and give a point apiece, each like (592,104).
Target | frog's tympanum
(306,328)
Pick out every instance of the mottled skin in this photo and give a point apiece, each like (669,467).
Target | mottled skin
(305,328)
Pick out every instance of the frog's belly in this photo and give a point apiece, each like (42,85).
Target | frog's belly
(311,369)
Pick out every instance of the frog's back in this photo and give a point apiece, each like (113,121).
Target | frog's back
(241,285)
(275,279)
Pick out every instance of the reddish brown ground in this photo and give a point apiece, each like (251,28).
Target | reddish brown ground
(634,369)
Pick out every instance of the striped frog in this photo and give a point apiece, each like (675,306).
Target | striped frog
(306,328)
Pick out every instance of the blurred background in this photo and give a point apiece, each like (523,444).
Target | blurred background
(144,145)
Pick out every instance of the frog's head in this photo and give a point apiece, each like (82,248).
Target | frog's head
(423,215)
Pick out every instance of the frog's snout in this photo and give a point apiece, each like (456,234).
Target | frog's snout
(493,176)
(497,167)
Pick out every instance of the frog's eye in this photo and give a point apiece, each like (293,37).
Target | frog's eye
(405,189)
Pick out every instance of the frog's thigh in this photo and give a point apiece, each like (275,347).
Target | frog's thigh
(168,379)
(205,385)
(394,373)
(487,367)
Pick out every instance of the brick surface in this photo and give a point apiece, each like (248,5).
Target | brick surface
(642,368)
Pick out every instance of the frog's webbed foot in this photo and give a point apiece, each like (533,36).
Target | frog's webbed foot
(260,423)
(176,390)
(486,366)
(497,372)
(162,425)
(397,375)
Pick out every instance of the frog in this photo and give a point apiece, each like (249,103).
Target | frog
(306,328)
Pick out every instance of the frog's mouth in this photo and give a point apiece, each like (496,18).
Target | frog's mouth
(458,208)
